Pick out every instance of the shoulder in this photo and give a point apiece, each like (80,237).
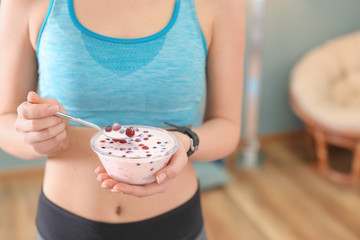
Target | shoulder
(227,11)
(16,6)
(16,12)
(217,16)
(14,18)
(24,16)
(223,8)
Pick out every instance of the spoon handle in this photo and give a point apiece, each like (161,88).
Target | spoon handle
(78,120)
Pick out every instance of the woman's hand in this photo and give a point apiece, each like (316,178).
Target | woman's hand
(40,128)
(163,177)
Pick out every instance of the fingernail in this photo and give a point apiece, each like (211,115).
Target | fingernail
(104,185)
(161,177)
(53,109)
(116,191)
(99,179)
(96,171)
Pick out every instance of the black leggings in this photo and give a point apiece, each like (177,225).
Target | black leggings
(182,223)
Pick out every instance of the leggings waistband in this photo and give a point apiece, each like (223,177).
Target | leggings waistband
(182,223)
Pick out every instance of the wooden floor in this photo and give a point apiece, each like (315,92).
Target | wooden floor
(283,200)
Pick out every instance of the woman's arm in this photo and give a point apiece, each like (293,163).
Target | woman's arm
(220,133)
(36,128)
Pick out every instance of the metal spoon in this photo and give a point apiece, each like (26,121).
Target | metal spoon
(92,125)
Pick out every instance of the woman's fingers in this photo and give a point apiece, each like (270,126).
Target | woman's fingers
(35,111)
(108,183)
(140,191)
(42,135)
(176,164)
(100,169)
(51,145)
(102,177)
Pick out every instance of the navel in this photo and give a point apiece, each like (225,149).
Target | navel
(118,210)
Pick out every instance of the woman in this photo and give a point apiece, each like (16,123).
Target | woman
(132,62)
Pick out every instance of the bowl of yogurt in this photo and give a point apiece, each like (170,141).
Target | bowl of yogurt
(134,160)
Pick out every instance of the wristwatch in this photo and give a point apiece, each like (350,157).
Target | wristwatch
(194,138)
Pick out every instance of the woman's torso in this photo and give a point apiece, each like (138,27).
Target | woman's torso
(69,180)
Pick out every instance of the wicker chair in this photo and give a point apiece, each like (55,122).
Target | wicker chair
(325,94)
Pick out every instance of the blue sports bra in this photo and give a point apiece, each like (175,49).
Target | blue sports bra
(142,81)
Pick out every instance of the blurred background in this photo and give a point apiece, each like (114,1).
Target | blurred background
(305,185)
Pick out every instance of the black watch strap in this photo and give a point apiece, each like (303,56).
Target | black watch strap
(194,138)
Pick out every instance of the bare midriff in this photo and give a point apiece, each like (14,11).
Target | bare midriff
(70,182)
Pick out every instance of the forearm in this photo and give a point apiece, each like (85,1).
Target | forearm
(11,140)
(218,138)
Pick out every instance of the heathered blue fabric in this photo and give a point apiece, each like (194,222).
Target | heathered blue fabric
(130,81)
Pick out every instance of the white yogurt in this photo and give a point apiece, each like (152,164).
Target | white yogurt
(135,160)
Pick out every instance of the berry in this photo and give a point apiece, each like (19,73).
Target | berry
(146,139)
(108,129)
(145,147)
(138,140)
(128,151)
(102,141)
(130,132)
(158,142)
(116,126)
(122,141)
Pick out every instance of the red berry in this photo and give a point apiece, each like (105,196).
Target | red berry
(130,132)
(122,141)
(116,140)
(116,126)
(145,147)
(108,129)
(128,151)
(141,144)
(138,140)
(158,142)
(149,155)
(146,139)
(102,141)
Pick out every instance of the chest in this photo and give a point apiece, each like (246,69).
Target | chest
(122,19)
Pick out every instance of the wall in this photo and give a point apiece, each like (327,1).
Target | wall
(292,27)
